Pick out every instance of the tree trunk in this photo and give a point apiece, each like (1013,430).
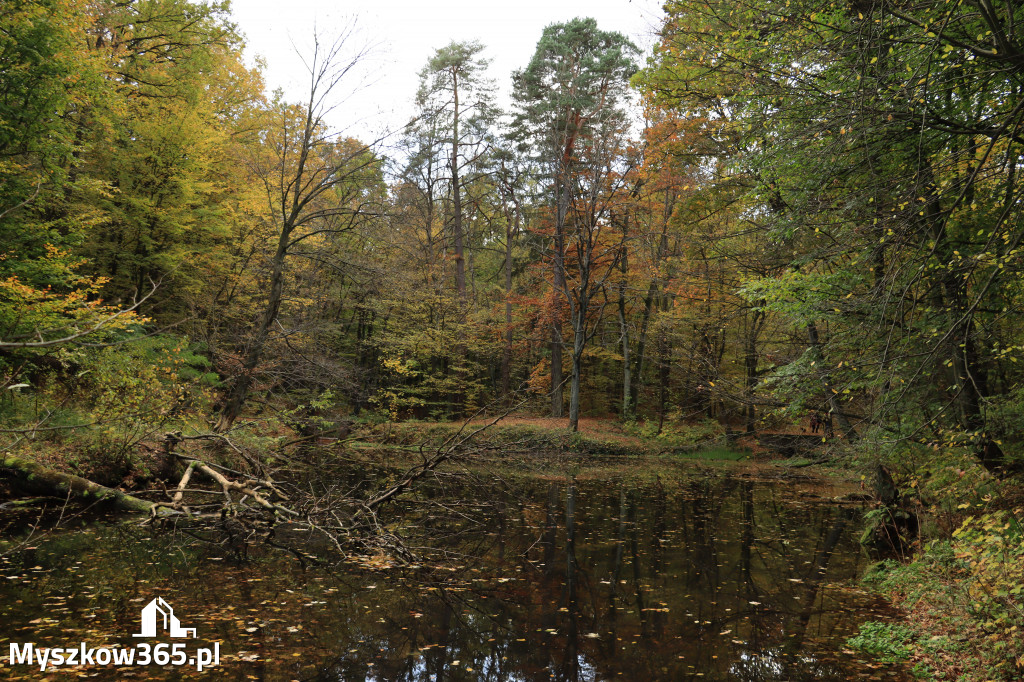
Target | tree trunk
(664,362)
(641,345)
(460,262)
(649,302)
(664,374)
(556,312)
(830,393)
(750,359)
(627,376)
(240,389)
(41,480)
(579,340)
(966,374)
(627,379)
(511,229)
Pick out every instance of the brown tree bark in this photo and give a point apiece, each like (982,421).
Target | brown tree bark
(511,229)
(558,285)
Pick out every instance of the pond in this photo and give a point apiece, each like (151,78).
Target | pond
(685,577)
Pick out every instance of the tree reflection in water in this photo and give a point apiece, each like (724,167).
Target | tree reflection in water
(684,579)
(716,578)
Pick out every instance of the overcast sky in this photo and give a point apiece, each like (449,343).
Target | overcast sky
(405,33)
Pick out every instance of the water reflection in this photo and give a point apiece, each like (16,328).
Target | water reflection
(702,578)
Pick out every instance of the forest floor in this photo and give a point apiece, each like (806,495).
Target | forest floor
(597,427)
(611,436)
(545,445)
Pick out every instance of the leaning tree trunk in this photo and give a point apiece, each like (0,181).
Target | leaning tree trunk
(254,354)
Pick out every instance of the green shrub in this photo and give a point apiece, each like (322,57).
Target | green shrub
(676,433)
(962,597)
(888,642)
(992,546)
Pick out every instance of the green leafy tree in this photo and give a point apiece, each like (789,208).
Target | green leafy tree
(49,79)
(879,150)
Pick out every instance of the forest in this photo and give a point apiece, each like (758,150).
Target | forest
(795,218)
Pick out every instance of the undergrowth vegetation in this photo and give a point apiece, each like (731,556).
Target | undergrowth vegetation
(962,606)
(93,417)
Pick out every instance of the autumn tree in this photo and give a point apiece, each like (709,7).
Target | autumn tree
(571,99)
(50,85)
(510,177)
(158,144)
(879,145)
(314,185)
(444,153)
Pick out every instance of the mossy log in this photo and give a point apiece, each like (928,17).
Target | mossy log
(38,479)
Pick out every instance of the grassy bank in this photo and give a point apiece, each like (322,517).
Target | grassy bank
(597,437)
(960,611)
(959,587)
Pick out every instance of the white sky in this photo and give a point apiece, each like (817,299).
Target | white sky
(406,33)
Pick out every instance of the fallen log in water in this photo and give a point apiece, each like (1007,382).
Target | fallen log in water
(36,478)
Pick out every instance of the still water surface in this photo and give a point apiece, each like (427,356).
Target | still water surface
(709,577)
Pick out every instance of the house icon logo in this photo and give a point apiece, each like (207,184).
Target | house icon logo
(159,610)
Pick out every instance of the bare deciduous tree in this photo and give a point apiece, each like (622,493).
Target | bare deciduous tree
(315,182)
